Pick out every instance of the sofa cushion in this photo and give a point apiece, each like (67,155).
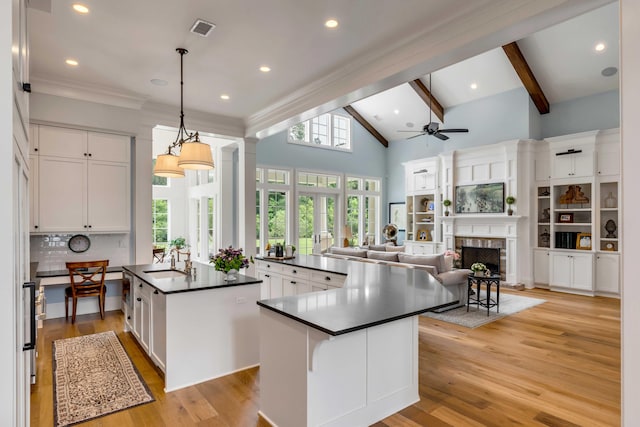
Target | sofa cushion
(394,248)
(377,247)
(435,260)
(454,277)
(361,253)
(384,256)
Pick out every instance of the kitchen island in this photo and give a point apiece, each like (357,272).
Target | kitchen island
(194,328)
(345,356)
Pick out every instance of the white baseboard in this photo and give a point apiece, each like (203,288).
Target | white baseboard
(85,306)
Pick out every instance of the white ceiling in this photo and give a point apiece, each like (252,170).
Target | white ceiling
(561,57)
(121,45)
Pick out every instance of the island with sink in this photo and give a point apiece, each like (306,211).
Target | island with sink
(194,327)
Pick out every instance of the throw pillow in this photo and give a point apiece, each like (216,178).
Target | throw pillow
(448,263)
(395,248)
(361,253)
(377,247)
(435,260)
(384,256)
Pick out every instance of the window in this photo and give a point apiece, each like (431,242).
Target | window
(363,207)
(273,189)
(160,222)
(327,131)
(198,233)
(210,223)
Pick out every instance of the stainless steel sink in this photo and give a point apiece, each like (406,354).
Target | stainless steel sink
(165,274)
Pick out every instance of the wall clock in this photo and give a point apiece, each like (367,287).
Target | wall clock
(79,243)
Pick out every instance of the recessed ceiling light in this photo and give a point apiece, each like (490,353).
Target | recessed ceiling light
(71,62)
(80,8)
(159,82)
(609,71)
(224,96)
(331,23)
(599,47)
(265,69)
(396,112)
(409,124)
(473,86)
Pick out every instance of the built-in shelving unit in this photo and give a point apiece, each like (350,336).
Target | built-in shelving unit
(544,216)
(572,216)
(609,217)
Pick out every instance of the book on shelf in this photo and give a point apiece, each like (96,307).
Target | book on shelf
(566,239)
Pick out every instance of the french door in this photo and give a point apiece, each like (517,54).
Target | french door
(317,215)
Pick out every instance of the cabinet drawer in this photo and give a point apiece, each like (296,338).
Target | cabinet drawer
(300,273)
(268,266)
(329,279)
(142,289)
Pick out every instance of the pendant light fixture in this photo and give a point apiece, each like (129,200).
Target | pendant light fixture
(193,153)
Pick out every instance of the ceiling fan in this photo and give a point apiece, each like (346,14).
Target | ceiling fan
(433,128)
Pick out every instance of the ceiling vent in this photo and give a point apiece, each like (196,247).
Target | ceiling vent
(202,28)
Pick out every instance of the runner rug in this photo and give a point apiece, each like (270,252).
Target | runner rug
(93,376)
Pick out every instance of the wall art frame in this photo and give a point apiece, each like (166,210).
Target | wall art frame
(480,198)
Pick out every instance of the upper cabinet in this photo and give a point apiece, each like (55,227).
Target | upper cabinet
(83,181)
(20,58)
(573,156)
(421,177)
(608,153)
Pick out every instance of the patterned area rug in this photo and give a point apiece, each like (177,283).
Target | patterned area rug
(93,376)
(509,304)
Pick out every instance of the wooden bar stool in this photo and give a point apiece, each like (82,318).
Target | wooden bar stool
(87,280)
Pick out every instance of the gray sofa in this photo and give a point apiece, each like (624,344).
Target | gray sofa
(438,265)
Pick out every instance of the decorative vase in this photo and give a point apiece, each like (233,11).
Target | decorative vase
(610,201)
(446,213)
(231,275)
(479,273)
(510,212)
(611,228)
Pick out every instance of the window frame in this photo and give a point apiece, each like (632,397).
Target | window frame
(308,124)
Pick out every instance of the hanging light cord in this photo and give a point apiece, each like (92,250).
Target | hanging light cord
(183,135)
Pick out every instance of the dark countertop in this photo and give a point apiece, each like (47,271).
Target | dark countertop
(206,278)
(56,273)
(372,295)
(320,263)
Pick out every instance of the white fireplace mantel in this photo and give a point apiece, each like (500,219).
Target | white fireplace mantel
(488,226)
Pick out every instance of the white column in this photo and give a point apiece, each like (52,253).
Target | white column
(225,209)
(247,198)
(142,195)
(630,111)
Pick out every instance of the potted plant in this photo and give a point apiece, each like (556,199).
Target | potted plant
(446,203)
(510,201)
(230,261)
(478,269)
(178,243)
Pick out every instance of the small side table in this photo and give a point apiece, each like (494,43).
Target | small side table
(494,279)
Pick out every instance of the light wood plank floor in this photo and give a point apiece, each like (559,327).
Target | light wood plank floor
(556,364)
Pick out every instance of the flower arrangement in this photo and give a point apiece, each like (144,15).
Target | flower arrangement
(229,259)
(453,254)
(478,266)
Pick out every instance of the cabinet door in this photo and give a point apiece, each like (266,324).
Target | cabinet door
(159,328)
(609,160)
(108,147)
(607,273)
(563,166)
(289,286)
(34,214)
(561,269)
(108,196)
(33,139)
(265,286)
(275,286)
(541,267)
(316,287)
(582,272)
(424,181)
(137,313)
(582,164)
(542,168)
(62,142)
(63,194)
(145,322)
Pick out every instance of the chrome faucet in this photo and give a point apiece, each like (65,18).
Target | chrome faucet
(187,263)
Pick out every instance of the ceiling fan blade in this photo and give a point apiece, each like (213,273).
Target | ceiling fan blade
(415,136)
(413,131)
(454,130)
(440,136)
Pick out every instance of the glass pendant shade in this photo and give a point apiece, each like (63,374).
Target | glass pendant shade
(167,166)
(195,155)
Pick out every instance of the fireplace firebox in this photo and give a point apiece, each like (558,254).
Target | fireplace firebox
(488,256)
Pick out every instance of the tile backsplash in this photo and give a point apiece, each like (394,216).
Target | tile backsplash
(52,250)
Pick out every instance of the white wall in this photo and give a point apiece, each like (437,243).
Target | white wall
(630,88)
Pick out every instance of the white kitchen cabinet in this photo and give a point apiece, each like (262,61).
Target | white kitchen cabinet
(144,297)
(571,271)
(295,280)
(34,199)
(33,139)
(158,344)
(541,266)
(607,273)
(572,165)
(283,280)
(83,181)
(425,179)
(62,194)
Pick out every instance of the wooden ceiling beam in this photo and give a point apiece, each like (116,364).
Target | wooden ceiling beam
(428,98)
(529,81)
(349,109)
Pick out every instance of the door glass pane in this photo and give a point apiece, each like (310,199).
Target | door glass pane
(305,225)
(210,245)
(258,246)
(353,211)
(327,209)
(277,212)
(370,218)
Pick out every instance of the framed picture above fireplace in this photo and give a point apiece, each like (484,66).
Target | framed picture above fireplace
(480,198)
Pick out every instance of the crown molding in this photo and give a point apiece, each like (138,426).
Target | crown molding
(91,93)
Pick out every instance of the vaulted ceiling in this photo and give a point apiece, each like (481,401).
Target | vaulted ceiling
(121,46)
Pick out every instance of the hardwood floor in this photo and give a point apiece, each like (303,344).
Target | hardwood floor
(556,364)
